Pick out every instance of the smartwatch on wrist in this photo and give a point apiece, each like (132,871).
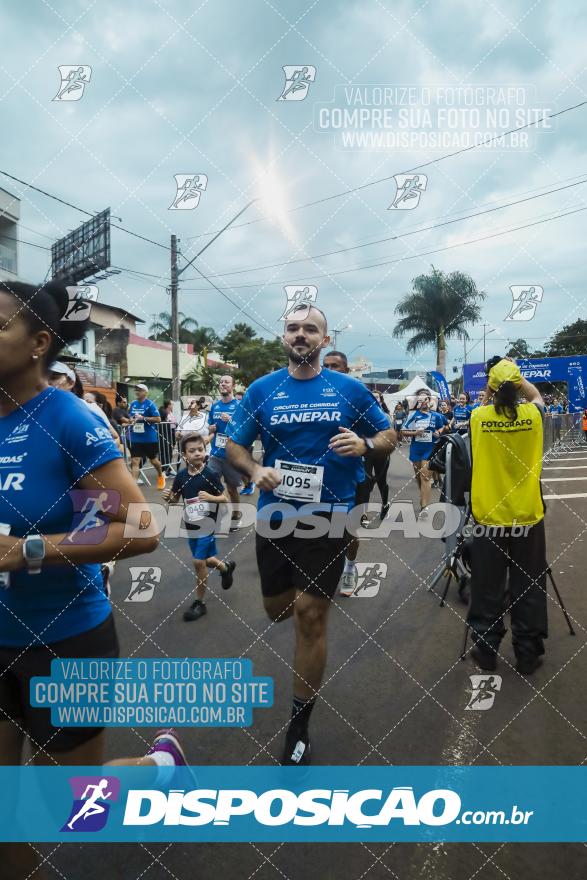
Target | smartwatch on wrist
(33,550)
(369,443)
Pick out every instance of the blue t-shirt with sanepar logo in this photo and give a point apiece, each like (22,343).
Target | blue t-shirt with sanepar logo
(143,432)
(219,438)
(296,419)
(46,446)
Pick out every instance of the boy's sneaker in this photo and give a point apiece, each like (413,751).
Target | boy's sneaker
(196,610)
(226,576)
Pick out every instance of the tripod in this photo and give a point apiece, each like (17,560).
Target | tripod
(453,565)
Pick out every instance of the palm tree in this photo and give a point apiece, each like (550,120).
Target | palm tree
(160,329)
(439,307)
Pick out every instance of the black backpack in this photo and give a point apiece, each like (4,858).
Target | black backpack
(460,466)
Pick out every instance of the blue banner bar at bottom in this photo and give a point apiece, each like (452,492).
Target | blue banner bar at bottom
(322,804)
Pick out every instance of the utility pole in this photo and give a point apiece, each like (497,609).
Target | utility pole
(175,387)
(484,326)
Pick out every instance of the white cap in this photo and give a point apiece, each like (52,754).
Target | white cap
(62,369)
(141,385)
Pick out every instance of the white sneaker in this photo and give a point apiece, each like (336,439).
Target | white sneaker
(348,582)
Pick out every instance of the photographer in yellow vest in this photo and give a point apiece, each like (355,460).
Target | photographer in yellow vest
(508,510)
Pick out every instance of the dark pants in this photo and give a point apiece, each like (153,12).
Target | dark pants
(525,560)
(376,475)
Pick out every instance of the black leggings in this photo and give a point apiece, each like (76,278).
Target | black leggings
(376,470)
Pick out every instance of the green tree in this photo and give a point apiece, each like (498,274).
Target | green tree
(241,334)
(257,358)
(201,380)
(518,349)
(439,307)
(160,328)
(572,339)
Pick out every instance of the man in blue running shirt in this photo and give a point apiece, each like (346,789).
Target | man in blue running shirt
(221,414)
(315,426)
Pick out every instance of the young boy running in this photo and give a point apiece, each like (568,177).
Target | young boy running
(202,492)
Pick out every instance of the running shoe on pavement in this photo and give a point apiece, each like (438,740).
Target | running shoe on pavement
(226,576)
(248,489)
(296,752)
(348,582)
(161,482)
(196,610)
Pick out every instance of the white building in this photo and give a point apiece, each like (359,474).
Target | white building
(9,217)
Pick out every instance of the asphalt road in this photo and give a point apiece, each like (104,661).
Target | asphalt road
(395,693)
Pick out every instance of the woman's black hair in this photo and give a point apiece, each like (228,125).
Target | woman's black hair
(78,388)
(44,308)
(103,403)
(505,400)
(382,403)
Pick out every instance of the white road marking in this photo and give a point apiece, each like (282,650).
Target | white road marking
(555,497)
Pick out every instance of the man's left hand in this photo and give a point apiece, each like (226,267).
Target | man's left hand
(347,443)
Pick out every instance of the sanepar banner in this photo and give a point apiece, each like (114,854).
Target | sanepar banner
(572,370)
(319,804)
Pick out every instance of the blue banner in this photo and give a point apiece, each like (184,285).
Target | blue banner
(572,370)
(321,804)
(441,384)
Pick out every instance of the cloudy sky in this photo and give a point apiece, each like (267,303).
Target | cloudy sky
(192,87)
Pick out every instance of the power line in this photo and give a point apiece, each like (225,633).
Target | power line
(409,171)
(406,258)
(395,237)
(243,311)
(23,241)
(81,210)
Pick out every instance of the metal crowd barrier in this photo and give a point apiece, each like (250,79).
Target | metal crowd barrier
(563,432)
(168,451)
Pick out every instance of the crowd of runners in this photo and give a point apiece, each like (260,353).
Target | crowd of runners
(308,438)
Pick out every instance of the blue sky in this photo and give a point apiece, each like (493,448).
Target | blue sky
(182,87)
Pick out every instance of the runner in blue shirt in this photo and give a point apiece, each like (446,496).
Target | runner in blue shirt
(221,414)
(315,426)
(461,415)
(202,492)
(555,411)
(64,497)
(143,415)
(424,426)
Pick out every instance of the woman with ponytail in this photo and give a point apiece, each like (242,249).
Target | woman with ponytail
(58,463)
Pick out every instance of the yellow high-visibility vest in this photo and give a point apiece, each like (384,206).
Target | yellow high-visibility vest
(507,462)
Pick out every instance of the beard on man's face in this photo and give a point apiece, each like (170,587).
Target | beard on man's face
(300,351)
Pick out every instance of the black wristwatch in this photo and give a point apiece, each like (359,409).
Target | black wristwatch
(369,444)
(33,550)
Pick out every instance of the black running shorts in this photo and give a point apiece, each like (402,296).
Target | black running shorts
(19,665)
(313,566)
(144,450)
